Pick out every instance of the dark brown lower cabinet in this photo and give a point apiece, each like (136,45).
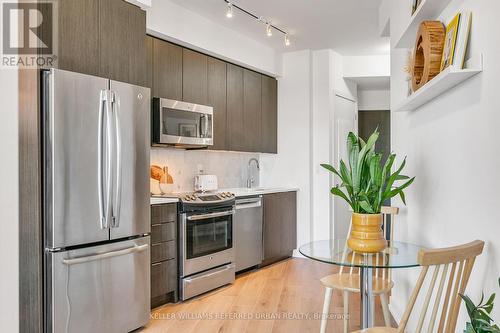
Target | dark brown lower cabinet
(280,226)
(163,254)
(163,282)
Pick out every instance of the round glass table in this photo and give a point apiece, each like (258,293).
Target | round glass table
(336,252)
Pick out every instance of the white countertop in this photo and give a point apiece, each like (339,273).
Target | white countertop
(243,191)
(238,192)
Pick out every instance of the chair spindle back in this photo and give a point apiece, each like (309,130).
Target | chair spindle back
(461,259)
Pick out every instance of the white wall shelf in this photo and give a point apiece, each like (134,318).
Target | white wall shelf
(428,10)
(444,81)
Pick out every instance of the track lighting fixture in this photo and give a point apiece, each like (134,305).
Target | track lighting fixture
(260,19)
(229,10)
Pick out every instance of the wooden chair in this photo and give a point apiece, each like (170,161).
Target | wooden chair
(461,259)
(348,282)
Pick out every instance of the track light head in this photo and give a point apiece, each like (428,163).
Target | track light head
(269,30)
(229,10)
(287,40)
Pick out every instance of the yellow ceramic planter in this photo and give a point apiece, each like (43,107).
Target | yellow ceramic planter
(366,233)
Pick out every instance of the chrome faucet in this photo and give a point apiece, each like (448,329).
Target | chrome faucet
(250,179)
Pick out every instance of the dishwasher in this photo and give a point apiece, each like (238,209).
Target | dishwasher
(248,232)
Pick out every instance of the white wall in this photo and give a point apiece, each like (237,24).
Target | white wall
(291,166)
(172,22)
(306,94)
(374,100)
(322,114)
(367,66)
(9,194)
(452,148)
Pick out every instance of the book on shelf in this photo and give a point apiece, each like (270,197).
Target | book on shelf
(462,39)
(456,40)
(450,40)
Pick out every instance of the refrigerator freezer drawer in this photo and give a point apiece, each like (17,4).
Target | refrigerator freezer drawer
(104,288)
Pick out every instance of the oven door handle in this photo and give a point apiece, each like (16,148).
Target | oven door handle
(210,215)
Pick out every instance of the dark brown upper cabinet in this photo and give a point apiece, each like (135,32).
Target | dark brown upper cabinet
(167,70)
(217,99)
(252,110)
(137,46)
(149,62)
(244,101)
(194,77)
(235,124)
(122,41)
(269,123)
(106,38)
(78,36)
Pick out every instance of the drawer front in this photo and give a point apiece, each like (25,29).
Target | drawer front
(163,277)
(163,232)
(162,251)
(203,282)
(163,213)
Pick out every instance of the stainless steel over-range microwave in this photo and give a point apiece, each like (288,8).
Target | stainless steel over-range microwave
(181,124)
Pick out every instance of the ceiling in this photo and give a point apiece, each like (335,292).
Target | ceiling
(372,83)
(349,27)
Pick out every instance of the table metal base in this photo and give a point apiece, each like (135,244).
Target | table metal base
(366,293)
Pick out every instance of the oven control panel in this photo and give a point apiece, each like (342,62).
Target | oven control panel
(194,197)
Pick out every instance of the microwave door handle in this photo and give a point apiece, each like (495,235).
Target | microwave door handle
(205,134)
(202,128)
(100,167)
(117,202)
(109,157)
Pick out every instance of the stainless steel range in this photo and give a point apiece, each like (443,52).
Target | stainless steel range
(206,242)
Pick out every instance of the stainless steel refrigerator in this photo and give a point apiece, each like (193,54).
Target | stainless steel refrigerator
(96,139)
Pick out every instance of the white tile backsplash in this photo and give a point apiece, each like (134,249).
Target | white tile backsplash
(230,167)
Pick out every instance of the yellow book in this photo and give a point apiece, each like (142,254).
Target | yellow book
(449,42)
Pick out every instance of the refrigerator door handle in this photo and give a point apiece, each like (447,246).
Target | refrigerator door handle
(100,167)
(117,202)
(95,257)
(109,157)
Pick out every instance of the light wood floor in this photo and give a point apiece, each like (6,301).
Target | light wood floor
(284,297)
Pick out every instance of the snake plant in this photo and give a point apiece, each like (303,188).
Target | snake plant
(366,184)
